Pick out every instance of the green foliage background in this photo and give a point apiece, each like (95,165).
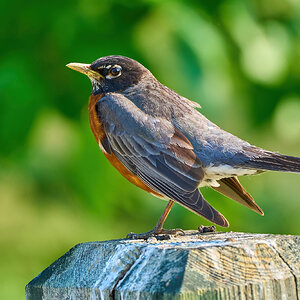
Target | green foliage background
(239,59)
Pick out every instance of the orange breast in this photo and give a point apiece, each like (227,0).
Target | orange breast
(99,135)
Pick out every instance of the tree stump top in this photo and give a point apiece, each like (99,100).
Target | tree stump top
(228,265)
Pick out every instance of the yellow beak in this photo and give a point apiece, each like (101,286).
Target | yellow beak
(85,69)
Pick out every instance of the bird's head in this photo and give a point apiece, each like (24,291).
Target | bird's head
(112,73)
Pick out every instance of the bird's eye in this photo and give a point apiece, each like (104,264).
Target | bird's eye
(115,71)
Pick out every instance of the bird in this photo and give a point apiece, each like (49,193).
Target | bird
(160,142)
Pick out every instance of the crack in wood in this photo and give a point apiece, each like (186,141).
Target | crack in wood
(292,271)
(126,270)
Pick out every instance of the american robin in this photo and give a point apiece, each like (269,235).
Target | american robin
(158,141)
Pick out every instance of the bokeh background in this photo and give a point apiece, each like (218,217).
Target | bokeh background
(239,59)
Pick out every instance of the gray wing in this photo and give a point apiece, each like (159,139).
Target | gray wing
(157,152)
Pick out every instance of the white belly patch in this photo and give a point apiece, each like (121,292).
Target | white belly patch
(215,173)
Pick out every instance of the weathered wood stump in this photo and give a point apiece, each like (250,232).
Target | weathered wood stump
(195,266)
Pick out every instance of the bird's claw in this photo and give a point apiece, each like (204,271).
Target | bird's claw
(161,234)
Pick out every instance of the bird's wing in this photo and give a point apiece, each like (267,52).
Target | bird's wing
(157,152)
(231,188)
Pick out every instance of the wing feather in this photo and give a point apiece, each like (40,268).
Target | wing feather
(232,188)
(157,152)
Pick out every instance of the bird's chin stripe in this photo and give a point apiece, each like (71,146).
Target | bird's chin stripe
(97,87)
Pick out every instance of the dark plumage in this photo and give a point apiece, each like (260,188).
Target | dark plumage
(167,145)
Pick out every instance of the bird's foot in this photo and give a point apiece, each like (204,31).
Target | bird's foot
(157,234)
(206,229)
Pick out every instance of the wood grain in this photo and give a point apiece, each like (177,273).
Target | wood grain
(196,266)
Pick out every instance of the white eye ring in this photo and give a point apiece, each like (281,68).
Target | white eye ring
(114,72)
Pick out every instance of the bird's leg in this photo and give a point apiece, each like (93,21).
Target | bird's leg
(158,229)
(159,225)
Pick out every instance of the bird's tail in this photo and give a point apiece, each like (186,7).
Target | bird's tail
(271,161)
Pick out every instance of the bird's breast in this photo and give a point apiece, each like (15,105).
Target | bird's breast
(95,123)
